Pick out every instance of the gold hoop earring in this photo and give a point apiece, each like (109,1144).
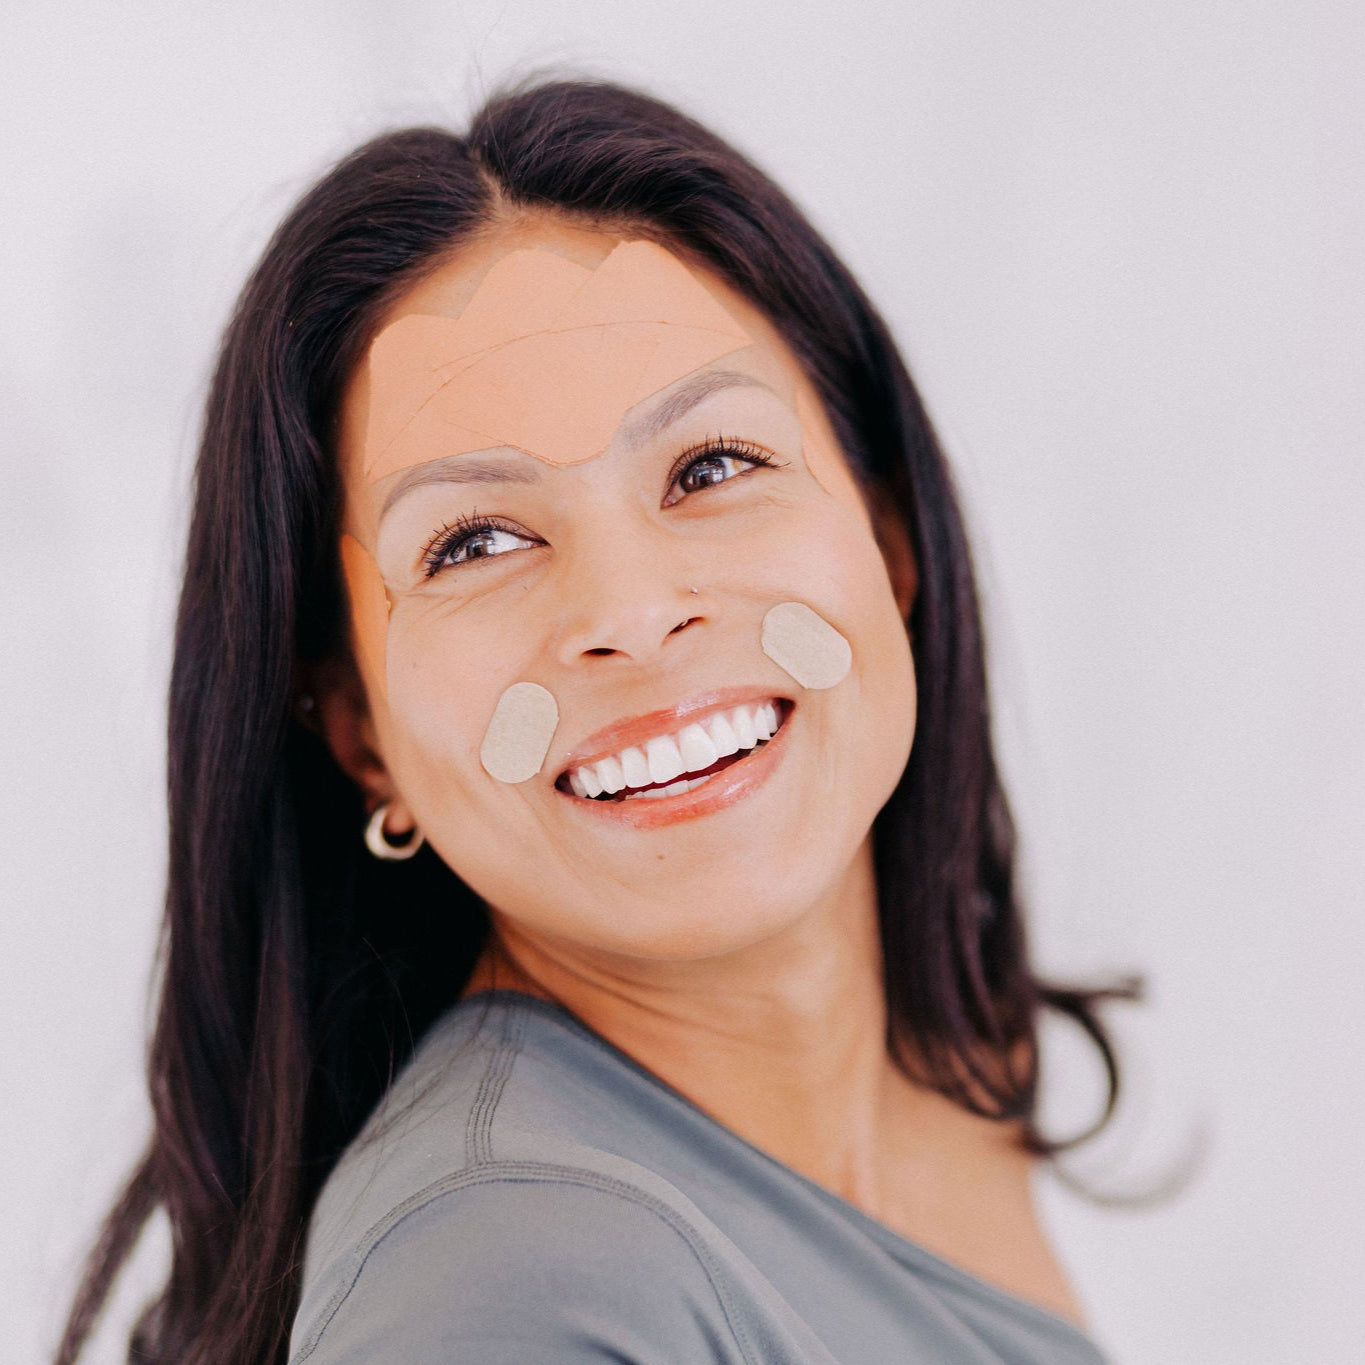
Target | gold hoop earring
(378,842)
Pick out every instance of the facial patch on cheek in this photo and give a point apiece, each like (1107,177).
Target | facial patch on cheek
(369,614)
(519,734)
(804,644)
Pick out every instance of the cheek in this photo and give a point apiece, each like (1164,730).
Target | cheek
(447,675)
(822,554)
(843,578)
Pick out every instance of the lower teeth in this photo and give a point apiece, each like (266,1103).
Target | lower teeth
(674,788)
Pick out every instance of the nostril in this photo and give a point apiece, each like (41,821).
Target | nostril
(631,639)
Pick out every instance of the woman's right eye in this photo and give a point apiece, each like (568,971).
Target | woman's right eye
(470,540)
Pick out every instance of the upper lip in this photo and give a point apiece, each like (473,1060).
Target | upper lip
(622,734)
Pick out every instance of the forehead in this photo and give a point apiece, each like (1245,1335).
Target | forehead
(543,342)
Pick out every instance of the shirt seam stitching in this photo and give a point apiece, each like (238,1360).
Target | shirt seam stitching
(479,1129)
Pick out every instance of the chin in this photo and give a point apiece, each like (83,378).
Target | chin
(694,920)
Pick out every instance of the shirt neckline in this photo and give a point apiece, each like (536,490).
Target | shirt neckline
(898,1245)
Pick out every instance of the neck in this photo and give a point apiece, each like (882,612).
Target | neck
(783,1042)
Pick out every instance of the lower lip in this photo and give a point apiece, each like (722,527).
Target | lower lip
(716,793)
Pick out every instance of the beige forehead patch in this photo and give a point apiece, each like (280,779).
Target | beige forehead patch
(519,734)
(804,644)
(547,357)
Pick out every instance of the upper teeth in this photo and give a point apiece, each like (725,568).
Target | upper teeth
(666,758)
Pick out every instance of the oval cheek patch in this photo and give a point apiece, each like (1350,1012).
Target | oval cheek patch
(519,734)
(805,645)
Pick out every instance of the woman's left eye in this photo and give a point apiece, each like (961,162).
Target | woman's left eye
(716,465)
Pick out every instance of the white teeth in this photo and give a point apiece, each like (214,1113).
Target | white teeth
(662,764)
(696,748)
(722,736)
(742,718)
(635,768)
(673,789)
(665,762)
(609,774)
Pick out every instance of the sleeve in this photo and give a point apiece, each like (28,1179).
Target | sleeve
(519,1271)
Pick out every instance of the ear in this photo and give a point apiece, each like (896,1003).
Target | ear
(893,539)
(341,715)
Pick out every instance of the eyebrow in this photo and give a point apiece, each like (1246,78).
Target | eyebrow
(490,467)
(686,397)
(462,469)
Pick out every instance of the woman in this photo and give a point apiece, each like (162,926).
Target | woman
(567,523)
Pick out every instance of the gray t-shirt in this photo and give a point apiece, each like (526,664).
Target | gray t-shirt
(529,1193)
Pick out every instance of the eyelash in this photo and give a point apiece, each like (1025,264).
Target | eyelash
(449,538)
(719,446)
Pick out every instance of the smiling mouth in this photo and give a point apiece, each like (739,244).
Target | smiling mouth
(681,761)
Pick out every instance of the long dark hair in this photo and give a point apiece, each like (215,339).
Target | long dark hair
(297,970)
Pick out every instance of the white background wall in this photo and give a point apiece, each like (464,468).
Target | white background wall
(1122,248)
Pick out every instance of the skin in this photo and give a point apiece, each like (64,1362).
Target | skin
(733,952)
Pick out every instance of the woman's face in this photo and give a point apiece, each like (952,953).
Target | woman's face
(609,513)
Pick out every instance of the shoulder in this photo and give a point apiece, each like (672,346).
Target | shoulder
(517,1261)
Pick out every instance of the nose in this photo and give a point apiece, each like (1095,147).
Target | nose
(628,597)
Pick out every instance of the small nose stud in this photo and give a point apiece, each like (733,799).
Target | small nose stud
(693,591)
